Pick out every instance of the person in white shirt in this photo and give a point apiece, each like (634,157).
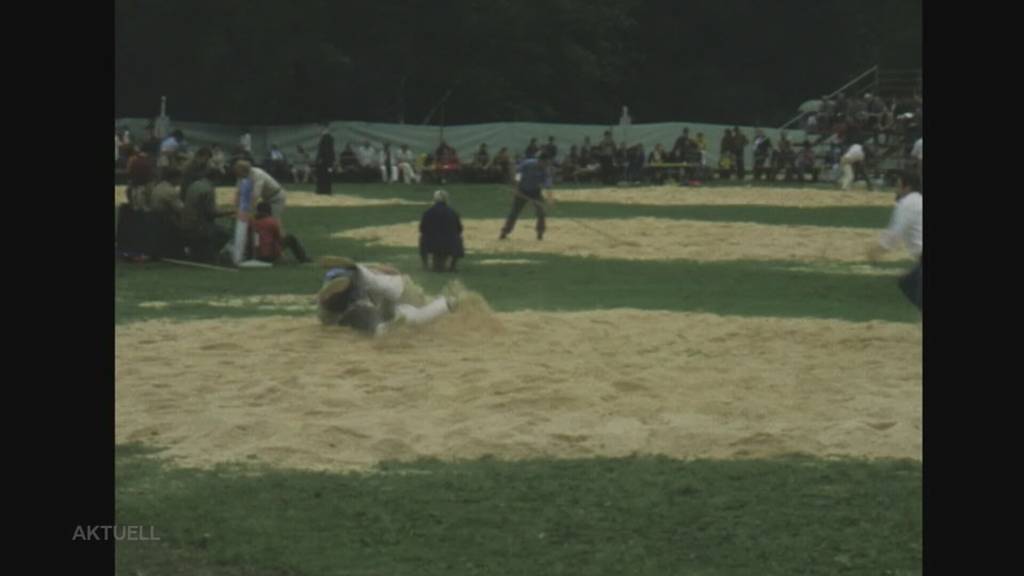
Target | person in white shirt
(852,162)
(265,189)
(906,228)
(245,141)
(366,156)
(918,154)
(303,165)
(406,160)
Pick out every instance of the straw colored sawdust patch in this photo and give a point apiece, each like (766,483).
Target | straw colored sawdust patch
(289,392)
(649,239)
(726,196)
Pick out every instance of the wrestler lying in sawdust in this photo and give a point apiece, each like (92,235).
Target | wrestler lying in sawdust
(373,298)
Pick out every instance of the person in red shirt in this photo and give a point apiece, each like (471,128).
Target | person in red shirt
(267,242)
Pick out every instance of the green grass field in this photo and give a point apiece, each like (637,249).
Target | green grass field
(638,515)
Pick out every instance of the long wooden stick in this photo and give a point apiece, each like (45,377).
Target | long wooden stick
(543,204)
(198,265)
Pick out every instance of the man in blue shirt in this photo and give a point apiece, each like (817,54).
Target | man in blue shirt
(533,178)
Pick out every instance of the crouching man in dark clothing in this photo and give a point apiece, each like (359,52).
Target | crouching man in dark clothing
(204,237)
(441,234)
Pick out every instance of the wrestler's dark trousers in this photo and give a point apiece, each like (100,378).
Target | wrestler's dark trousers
(517,207)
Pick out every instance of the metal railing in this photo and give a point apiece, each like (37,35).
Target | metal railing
(873,71)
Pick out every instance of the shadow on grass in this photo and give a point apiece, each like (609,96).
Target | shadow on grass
(637,515)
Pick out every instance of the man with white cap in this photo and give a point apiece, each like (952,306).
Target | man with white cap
(441,234)
(370,298)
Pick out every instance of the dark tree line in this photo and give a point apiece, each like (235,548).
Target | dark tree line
(571,61)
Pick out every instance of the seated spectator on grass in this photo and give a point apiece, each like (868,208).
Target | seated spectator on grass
(441,235)
(586,151)
(348,161)
(406,164)
(134,234)
(551,150)
(681,149)
(269,241)
(501,165)
(805,163)
(635,159)
(700,154)
(196,168)
(278,165)
(726,164)
(445,156)
(169,149)
(532,149)
(150,143)
(482,158)
(657,155)
(164,216)
(302,168)
(203,236)
(218,162)
(367,156)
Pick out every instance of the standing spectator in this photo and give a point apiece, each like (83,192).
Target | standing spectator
(701,154)
(739,150)
(245,142)
(786,158)
(324,161)
(606,156)
(388,166)
(725,148)
(681,149)
(762,153)
(917,153)
(852,164)
(586,152)
(635,163)
(301,168)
